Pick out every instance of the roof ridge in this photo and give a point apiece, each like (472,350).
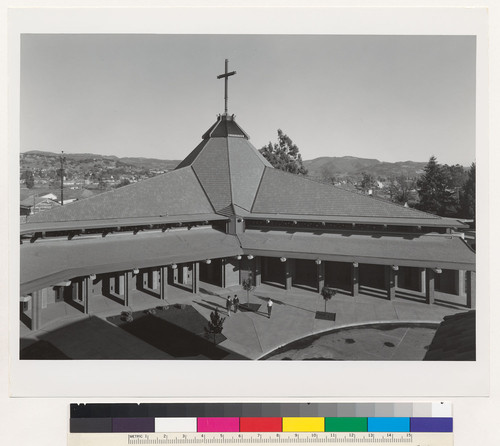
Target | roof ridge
(202,187)
(258,187)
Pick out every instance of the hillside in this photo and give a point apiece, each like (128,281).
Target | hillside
(350,166)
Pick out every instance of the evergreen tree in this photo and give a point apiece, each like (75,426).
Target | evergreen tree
(284,155)
(468,195)
(431,187)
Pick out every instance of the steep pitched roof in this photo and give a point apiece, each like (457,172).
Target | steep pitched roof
(228,167)
(455,339)
(173,193)
(227,175)
(284,193)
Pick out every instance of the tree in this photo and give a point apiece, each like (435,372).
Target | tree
(284,155)
(216,323)
(468,195)
(367,183)
(247,285)
(400,188)
(123,182)
(29,179)
(327,294)
(431,187)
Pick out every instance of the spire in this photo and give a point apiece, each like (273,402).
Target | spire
(225,77)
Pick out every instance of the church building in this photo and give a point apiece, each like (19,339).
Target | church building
(225,215)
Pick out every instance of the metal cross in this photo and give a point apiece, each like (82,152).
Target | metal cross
(225,76)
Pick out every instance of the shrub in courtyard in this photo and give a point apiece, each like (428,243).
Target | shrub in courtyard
(216,323)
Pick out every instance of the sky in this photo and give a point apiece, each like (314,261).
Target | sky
(393,98)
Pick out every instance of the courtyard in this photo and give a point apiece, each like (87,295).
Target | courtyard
(176,328)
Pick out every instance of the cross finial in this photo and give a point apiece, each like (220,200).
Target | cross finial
(225,76)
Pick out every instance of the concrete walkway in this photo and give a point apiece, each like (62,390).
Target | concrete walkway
(252,334)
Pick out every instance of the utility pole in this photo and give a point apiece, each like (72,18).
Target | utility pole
(62,159)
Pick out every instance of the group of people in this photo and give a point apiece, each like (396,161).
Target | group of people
(232,304)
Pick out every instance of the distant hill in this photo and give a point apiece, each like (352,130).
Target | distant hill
(139,162)
(351,166)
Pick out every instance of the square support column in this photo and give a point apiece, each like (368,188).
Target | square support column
(127,288)
(163,282)
(354,280)
(222,272)
(471,289)
(429,285)
(390,282)
(258,270)
(422,280)
(321,276)
(36,310)
(86,292)
(195,288)
(289,264)
(460,286)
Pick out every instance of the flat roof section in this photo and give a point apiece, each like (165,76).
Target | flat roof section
(49,262)
(425,251)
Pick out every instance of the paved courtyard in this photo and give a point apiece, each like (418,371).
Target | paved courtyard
(248,334)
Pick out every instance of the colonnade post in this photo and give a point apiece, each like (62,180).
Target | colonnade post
(195,276)
(429,285)
(321,276)
(36,310)
(289,264)
(86,291)
(471,289)
(258,270)
(390,282)
(355,279)
(163,282)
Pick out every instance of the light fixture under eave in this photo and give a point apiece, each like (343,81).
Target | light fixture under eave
(135,271)
(250,257)
(92,277)
(355,264)
(238,257)
(318,261)
(438,270)
(395,267)
(174,265)
(282,259)
(208,261)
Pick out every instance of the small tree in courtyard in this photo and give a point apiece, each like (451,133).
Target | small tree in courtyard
(247,285)
(216,323)
(327,294)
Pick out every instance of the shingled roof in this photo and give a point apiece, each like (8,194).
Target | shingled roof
(226,174)
(455,339)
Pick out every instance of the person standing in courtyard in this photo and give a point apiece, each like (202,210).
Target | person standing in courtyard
(269,308)
(236,302)
(229,304)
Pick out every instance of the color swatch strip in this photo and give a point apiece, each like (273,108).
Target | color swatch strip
(261,424)
(255,410)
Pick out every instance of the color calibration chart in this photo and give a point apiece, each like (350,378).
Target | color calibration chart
(418,424)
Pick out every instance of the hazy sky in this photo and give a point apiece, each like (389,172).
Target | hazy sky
(393,98)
